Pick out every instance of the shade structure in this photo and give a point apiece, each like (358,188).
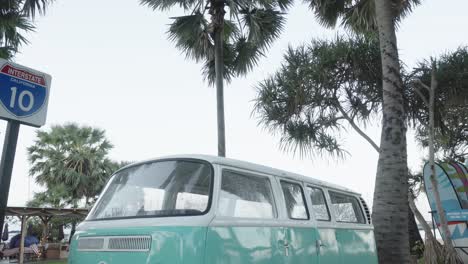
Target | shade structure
(24,213)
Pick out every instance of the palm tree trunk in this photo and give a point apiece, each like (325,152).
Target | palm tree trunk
(413,231)
(390,208)
(433,252)
(218,20)
(447,237)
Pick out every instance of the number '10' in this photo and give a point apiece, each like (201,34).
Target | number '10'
(21,99)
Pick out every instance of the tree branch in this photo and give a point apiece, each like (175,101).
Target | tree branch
(356,128)
(421,95)
(418,81)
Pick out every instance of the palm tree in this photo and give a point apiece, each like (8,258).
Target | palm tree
(72,157)
(227,47)
(390,207)
(390,196)
(16,18)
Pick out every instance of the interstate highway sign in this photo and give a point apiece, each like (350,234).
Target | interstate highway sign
(24,94)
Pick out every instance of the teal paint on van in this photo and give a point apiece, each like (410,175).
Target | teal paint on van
(329,251)
(260,245)
(302,245)
(238,245)
(170,245)
(356,246)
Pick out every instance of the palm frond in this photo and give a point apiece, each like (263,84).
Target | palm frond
(264,25)
(328,11)
(231,30)
(190,34)
(247,56)
(405,7)
(30,7)
(284,5)
(7,52)
(360,17)
(208,69)
(12,24)
(163,5)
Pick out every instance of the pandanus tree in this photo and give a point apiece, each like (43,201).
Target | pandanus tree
(16,19)
(451,121)
(450,103)
(227,36)
(321,89)
(326,86)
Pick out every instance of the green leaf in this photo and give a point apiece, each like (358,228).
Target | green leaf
(190,33)
(264,25)
(247,56)
(30,7)
(187,5)
(228,72)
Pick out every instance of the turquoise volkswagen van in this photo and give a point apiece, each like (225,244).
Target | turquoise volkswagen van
(204,210)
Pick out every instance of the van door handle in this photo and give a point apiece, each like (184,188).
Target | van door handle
(319,245)
(286,248)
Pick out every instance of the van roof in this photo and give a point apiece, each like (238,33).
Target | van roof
(253,167)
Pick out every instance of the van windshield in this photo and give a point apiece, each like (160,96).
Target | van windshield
(162,188)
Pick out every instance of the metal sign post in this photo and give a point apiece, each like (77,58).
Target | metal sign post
(24,96)
(6,166)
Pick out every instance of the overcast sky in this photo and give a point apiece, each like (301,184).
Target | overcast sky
(113,68)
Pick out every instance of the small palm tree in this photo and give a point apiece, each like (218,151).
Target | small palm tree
(227,47)
(16,18)
(71,157)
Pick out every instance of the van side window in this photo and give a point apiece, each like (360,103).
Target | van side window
(319,205)
(246,196)
(295,201)
(346,208)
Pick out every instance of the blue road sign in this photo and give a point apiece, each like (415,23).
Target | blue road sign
(24,94)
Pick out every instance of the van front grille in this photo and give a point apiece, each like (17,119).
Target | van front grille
(115,243)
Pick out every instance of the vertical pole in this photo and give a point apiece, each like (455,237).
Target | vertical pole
(6,166)
(23,236)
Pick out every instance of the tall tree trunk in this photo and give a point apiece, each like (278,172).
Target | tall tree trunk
(451,254)
(218,20)
(390,208)
(413,233)
(433,251)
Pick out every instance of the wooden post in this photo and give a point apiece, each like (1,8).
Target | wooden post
(23,236)
(45,228)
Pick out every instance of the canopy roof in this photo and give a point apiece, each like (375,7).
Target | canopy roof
(32,211)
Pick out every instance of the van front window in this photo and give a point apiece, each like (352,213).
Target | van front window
(162,188)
